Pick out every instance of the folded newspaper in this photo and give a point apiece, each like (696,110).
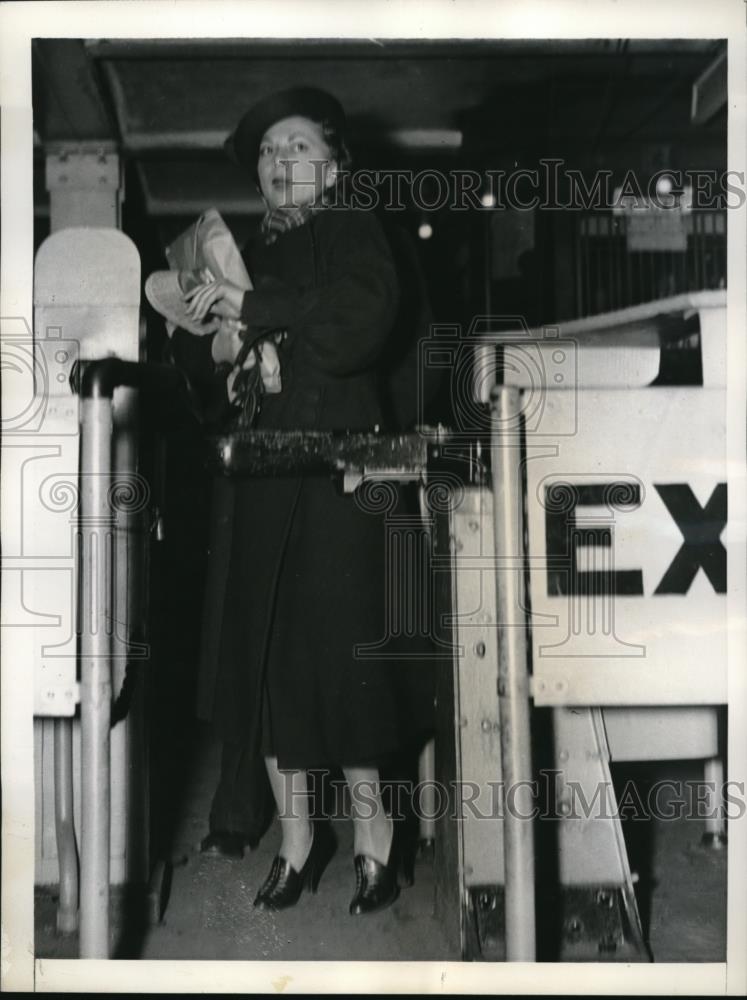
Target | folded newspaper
(206,250)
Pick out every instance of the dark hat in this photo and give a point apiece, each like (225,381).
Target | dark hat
(309,102)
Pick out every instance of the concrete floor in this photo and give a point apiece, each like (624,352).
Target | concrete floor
(681,890)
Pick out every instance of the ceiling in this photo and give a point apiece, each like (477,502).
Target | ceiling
(168,105)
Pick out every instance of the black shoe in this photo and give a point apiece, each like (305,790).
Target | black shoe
(226,844)
(284,885)
(376,884)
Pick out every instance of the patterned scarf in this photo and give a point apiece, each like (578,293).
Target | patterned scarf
(282,220)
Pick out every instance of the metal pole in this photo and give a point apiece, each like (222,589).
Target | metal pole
(95,684)
(67,854)
(513,680)
(715,824)
(427,777)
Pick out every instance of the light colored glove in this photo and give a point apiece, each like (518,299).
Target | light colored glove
(227,343)
(222,298)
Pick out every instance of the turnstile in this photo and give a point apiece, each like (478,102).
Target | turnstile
(86,305)
(492,599)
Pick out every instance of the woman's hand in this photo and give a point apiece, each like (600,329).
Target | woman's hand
(227,341)
(222,298)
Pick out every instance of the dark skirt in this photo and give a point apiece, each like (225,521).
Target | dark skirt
(312,663)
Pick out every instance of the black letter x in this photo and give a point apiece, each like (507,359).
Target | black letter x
(701,528)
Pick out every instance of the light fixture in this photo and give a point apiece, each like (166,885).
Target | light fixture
(664,186)
(425,230)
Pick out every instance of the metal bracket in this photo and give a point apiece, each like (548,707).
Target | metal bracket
(590,924)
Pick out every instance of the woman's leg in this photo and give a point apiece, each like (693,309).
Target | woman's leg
(372,828)
(291,797)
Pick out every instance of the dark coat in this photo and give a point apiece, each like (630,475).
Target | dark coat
(303,565)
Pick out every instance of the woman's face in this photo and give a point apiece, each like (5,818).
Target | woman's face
(294,164)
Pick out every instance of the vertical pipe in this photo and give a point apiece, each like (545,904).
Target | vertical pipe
(588,307)
(513,679)
(485,369)
(651,277)
(610,247)
(95,684)
(715,825)
(67,853)
(488,263)
(629,295)
(426,779)
(577,228)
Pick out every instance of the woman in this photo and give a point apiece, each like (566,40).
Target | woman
(306,583)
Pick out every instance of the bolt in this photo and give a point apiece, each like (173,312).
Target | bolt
(486,725)
(463,721)
(474,526)
(604,898)
(574,928)
(50,695)
(563,755)
(480,649)
(564,807)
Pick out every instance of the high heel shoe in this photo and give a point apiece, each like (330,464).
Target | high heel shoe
(283,886)
(376,885)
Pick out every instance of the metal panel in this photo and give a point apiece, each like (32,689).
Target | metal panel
(476,681)
(46,867)
(448,848)
(86,305)
(591,850)
(661,733)
(87,285)
(86,297)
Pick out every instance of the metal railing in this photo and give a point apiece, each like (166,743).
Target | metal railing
(610,275)
(401,456)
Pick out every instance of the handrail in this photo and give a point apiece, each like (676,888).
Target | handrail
(100,378)
(96,382)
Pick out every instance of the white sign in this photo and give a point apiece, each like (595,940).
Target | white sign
(626,533)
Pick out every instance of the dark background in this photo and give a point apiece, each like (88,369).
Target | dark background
(596,104)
